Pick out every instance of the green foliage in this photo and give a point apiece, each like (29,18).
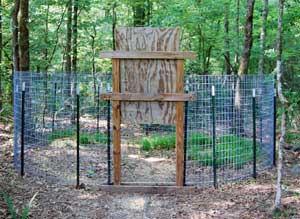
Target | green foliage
(229,148)
(60,134)
(85,138)
(12,209)
(158,142)
(93,138)
(169,141)
(293,137)
(284,213)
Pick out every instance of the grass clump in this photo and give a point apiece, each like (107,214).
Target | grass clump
(158,142)
(17,213)
(85,138)
(93,138)
(169,141)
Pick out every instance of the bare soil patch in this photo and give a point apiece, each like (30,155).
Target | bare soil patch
(246,199)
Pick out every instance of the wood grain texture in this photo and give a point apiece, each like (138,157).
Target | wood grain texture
(179,124)
(148,76)
(147,97)
(147,55)
(116,107)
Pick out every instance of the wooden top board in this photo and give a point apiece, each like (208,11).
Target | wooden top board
(147,55)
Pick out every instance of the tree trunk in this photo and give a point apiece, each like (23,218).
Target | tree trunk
(237,32)
(226,40)
(69,39)
(1,46)
(75,36)
(24,35)
(46,41)
(139,13)
(247,39)
(15,25)
(284,103)
(243,69)
(114,23)
(263,34)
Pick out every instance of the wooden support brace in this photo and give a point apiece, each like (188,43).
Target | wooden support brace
(167,97)
(116,107)
(147,55)
(179,123)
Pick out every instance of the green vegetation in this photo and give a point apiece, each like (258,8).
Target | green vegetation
(169,141)
(229,148)
(85,138)
(15,213)
(158,142)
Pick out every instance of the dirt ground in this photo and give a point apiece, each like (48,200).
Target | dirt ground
(246,199)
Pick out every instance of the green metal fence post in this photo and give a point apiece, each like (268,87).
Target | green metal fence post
(213,98)
(78,135)
(22,128)
(254,131)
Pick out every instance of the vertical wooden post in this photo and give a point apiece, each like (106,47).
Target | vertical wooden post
(179,123)
(116,122)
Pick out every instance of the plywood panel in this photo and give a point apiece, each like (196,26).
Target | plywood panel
(148,76)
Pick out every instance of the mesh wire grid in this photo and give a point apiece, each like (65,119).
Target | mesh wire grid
(148,150)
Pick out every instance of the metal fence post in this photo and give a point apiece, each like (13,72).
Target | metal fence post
(213,99)
(186,107)
(254,131)
(78,135)
(22,128)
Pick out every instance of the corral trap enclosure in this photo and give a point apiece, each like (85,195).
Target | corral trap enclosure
(132,126)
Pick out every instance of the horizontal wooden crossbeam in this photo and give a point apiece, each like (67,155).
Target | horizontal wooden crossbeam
(147,55)
(167,97)
(149,189)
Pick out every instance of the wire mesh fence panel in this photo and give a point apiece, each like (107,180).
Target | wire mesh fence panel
(50,127)
(234,153)
(219,131)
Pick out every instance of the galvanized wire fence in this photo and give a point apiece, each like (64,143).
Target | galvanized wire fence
(66,134)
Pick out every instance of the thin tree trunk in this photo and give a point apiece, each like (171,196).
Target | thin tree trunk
(15,25)
(243,69)
(114,23)
(69,39)
(46,41)
(1,46)
(45,68)
(263,35)
(248,40)
(139,13)
(24,35)
(75,36)
(284,103)
(93,36)
(237,32)
(226,40)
